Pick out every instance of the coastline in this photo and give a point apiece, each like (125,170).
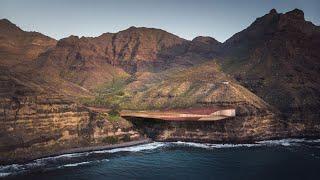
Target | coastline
(103,147)
(145,141)
(83,149)
(40,168)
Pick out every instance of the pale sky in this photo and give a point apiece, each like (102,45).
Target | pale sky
(219,19)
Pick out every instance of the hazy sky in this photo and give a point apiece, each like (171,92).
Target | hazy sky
(216,18)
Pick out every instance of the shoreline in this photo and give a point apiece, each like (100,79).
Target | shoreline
(98,148)
(83,149)
(140,142)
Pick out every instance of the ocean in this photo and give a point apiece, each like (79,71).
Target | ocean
(275,159)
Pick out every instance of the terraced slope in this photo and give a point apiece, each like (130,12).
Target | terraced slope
(37,122)
(201,85)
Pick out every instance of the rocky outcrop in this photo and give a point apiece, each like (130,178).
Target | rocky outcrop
(37,123)
(205,46)
(277,58)
(113,55)
(241,129)
(41,80)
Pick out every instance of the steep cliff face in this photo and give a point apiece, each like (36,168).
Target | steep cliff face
(36,119)
(277,58)
(145,68)
(36,122)
(241,129)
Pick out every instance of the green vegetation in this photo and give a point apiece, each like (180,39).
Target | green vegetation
(114,114)
(109,94)
(126,138)
(114,117)
(180,88)
(110,140)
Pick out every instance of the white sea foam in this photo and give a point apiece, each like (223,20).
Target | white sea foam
(212,146)
(288,142)
(281,142)
(143,147)
(76,164)
(8,170)
(5,174)
(82,163)
(64,156)
(199,145)
(232,145)
(313,140)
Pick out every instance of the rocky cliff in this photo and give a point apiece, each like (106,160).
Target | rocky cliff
(277,58)
(112,55)
(47,84)
(35,123)
(241,129)
(37,118)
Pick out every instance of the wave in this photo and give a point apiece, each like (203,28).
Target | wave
(5,174)
(288,142)
(76,164)
(281,142)
(63,161)
(137,148)
(82,163)
(212,146)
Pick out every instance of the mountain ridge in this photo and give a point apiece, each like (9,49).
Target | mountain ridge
(277,57)
(59,95)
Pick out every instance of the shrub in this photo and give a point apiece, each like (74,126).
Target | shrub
(114,110)
(126,138)
(110,140)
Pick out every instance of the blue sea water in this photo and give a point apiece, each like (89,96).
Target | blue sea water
(278,159)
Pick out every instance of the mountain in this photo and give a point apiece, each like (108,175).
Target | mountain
(37,114)
(90,62)
(277,58)
(56,95)
(197,86)
(17,45)
(206,46)
(36,121)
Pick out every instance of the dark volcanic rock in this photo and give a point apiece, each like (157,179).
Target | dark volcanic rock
(206,46)
(243,129)
(277,57)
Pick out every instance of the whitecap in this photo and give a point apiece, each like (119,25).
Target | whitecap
(143,147)
(82,163)
(313,140)
(76,164)
(64,156)
(233,145)
(192,144)
(287,142)
(211,146)
(49,161)
(5,174)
